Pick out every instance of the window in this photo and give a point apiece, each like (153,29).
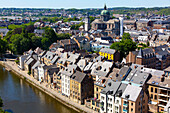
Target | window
(131,104)
(155,97)
(139,103)
(96,88)
(138,109)
(151,96)
(117,102)
(151,89)
(97,96)
(131,109)
(93,102)
(155,90)
(102,98)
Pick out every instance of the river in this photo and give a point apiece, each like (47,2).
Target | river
(21,97)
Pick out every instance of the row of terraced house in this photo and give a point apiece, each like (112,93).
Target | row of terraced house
(100,81)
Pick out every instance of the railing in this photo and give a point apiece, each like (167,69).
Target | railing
(124,110)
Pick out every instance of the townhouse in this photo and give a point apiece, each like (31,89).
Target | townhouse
(81,87)
(110,54)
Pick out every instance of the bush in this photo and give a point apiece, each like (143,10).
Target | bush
(29,72)
(17,61)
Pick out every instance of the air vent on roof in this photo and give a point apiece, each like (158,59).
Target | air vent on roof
(144,76)
(109,84)
(153,82)
(127,96)
(111,92)
(141,82)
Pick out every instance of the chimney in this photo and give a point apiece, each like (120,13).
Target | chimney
(73,71)
(69,41)
(162,79)
(135,67)
(62,67)
(103,80)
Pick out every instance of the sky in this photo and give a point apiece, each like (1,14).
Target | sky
(81,3)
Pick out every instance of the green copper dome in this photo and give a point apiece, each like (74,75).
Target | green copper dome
(105,11)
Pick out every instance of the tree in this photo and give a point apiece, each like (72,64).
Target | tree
(1,102)
(50,34)
(125,45)
(45,43)
(3,46)
(76,26)
(63,36)
(36,42)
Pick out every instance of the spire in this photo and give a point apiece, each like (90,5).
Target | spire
(105,8)
(140,54)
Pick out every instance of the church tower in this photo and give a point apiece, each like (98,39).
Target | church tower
(87,22)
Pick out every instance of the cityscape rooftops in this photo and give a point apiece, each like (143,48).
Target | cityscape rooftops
(131,92)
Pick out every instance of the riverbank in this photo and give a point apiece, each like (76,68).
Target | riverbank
(11,66)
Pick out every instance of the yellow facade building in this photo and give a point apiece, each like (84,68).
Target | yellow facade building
(110,54)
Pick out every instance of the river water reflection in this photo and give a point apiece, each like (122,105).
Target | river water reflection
(21,97)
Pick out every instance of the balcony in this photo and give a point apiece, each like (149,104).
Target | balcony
(125,104)
(162,104)
(162,100)
(124,110)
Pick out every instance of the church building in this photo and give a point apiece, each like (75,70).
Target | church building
(105,23)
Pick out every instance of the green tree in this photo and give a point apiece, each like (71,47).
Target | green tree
(63,36)
(3,46)
(125,45)
(50,34)
(45,43)
(36,42)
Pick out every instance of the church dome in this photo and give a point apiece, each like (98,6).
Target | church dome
(105,11)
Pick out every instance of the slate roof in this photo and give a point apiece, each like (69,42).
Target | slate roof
(78,76)
(132,91)
(52,70)
(104,68)
(88,66)
(49,55)
(55,59)
(36,65)
(101,81)
(114,75)
(123,70)
(28,62)
(138,77)
(144,52)
(111,87)
(82,64)
(107,50)
(121,89)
